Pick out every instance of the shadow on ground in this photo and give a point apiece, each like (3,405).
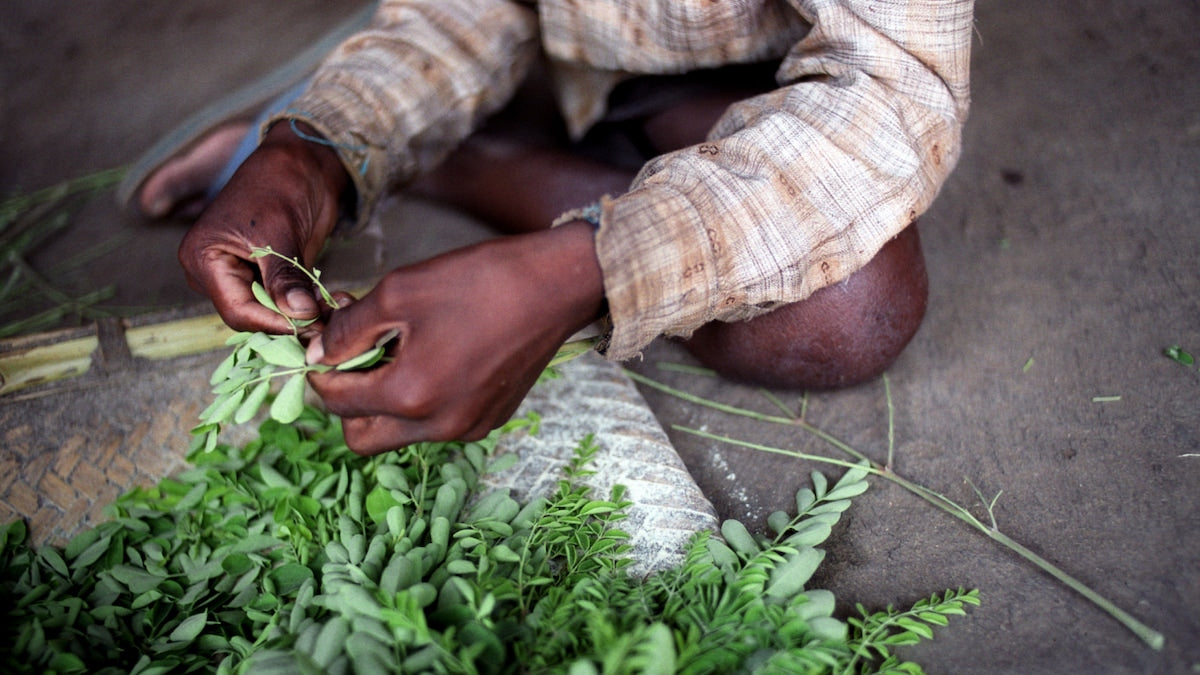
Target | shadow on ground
(1063,260)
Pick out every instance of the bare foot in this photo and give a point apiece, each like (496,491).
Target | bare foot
(180,185)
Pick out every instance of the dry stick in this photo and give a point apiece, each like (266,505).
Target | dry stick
(1148,635)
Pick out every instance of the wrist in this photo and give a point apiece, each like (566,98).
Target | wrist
(571,272)
(297,143)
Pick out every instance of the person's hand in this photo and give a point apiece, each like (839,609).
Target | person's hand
(473,330)
(286,196)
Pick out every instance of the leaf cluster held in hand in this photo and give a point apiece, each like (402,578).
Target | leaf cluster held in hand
(242,382)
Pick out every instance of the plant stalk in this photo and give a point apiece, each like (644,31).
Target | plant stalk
(1151,637)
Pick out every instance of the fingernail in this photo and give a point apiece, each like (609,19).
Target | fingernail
(159,207)
(315,352)
(300,302)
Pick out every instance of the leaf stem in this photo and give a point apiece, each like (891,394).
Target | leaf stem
(313,275)
(743,412)
(1151,637)
(891,420)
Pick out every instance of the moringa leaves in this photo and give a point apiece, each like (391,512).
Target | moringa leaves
(241,384)
(292,554)
(289,403)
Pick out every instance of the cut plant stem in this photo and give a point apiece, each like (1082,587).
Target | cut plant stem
(891,416)
(1147,634)
(99,180)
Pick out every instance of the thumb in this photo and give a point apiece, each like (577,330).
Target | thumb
(350,332)
(289,287)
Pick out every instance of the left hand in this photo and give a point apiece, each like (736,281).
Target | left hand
(475,327)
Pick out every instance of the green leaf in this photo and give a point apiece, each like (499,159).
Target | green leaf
(778,521)
(224,407)
(138,581)
(78,544)
(54,559)
(272,478)
(1177,354)
(13,534)
(289,403)
(595,508)
(237,564)
(263,297)
(828,628)
(66,662)
(282,350)
(254,543)
(253,402)
(237,338)
(788,579)
(222,370)
(190,628)
(804,500)
(916,627)
(502,553)
(818,603)
(856,475)
(933,618)
(809,533)
(330,641)
(819,484)
(847,491)
(290,577)
(364,360)
(391,477)
(738,538)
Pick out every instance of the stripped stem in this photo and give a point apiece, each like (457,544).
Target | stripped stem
(1147,634)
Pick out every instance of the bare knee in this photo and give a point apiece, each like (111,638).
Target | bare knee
(839,336)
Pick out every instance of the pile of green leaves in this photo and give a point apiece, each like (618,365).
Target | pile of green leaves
(292,554)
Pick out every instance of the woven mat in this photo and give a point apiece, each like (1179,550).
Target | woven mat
(72,449)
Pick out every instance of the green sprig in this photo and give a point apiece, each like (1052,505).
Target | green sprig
(242,382)
(1151,637)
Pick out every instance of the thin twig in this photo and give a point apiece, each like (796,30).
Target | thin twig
(1147,634)
(685,368)
(891,417)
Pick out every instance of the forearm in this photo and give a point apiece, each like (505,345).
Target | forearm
(396,98)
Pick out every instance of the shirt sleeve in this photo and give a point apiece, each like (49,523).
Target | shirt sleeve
(397,97)
(795,189)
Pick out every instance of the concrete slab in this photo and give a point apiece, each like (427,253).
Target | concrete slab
(1062,257)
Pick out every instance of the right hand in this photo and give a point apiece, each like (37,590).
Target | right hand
(286,195)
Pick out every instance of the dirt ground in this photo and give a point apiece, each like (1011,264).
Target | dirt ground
(1063,258)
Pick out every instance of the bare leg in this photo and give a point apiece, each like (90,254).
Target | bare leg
(519,187)
(841,335)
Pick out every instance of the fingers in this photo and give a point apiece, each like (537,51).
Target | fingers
(225,278)
(284,196)
(290,288)
(353,329)
(373,434)
(343,299)
(395,405)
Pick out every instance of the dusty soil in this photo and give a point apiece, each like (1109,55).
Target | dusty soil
(1063,260)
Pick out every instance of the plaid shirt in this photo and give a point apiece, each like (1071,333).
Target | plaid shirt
(793,190)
